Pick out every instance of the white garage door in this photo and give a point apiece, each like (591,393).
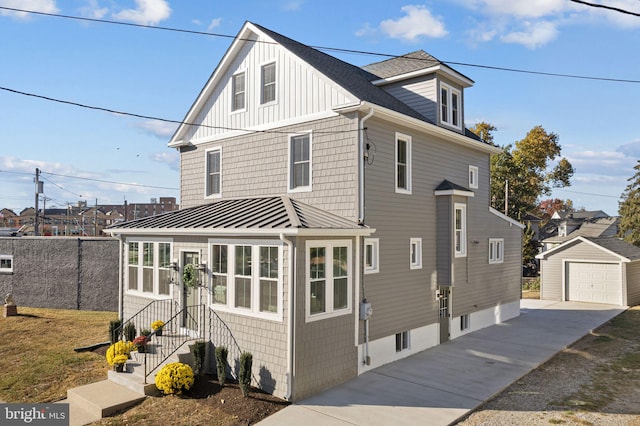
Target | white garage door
(594,282)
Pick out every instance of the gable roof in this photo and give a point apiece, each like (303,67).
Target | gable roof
(355,80)
(244,216)
(616,246)
(597,228)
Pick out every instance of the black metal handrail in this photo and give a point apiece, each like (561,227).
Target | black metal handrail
(154,310)
(169,339)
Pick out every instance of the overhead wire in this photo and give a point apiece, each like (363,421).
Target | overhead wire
(604,6)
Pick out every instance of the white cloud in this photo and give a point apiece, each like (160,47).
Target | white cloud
(533,35)
(215,23)
(292,5)
(519,8)
(158,128)
(417,22)
(148,12)
(93,10)
(44,6)
(172,159)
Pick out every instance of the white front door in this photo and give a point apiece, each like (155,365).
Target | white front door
(190,302)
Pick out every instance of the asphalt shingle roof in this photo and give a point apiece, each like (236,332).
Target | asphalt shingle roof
(618,246)
(404,64)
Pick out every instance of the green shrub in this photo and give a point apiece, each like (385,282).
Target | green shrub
(221,364)
(129,332)
(199,349)
(114,330)
(145,332)
(244,379)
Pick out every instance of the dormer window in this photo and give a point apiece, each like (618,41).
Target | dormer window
(450,106)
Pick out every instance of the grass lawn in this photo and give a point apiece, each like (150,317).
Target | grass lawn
(37,359)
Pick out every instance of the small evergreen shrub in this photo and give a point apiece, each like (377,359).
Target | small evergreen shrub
(174,378)
(199,350)
(221,364)
(114,330)
(129,332)
(244,379)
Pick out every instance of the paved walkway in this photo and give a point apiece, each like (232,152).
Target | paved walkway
(442,384)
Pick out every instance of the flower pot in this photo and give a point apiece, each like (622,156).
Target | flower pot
(142,349)
(159,332)
(119,368)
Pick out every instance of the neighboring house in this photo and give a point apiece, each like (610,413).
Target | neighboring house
(592,227)
(338,217)
(584,269)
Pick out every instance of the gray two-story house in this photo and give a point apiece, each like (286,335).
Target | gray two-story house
(339,217)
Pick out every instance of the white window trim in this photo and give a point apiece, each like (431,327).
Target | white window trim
(465,322)
(405,341)
(496,250)
(375,252)
(275,99)
(330,312)
(473,177)
(447,121)
(10,269)
(407,139)
(309,187)
(417,242)
(206,173)
(156,268)
(463,237)
(246,91)
(229,307)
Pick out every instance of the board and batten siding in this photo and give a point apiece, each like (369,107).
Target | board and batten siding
(552,267)
(403,298)
(257,165)
(300,91)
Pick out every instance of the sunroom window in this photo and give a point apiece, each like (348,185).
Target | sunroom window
(328,291)
(149,267)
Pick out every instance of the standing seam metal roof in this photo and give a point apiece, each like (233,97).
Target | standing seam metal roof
(245,213)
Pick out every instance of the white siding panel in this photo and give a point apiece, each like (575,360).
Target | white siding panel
(301,91)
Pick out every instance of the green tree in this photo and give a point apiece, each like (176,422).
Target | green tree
(484,131)
(629,209)
(519,175)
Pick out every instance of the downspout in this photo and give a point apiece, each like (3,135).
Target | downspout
(290,322)
(361,159)
(361,162)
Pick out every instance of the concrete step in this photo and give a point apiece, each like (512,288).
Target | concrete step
(101,399)
(133,376)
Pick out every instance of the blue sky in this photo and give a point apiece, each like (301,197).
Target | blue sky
(86,154)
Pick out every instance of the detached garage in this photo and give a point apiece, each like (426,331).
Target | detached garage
(598,270)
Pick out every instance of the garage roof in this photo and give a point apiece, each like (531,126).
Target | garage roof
(616,246)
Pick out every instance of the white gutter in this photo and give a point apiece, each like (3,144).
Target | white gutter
(361,162)
(120,275)
(241,231)
(290,322)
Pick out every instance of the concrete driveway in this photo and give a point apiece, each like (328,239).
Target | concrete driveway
(442,384)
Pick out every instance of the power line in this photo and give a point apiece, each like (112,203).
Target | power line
(604,6)
(342,50)
(587,193)
(110,182)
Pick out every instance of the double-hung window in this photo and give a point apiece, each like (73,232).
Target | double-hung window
(213,172)
(6,263)
(403,163)
(460,230)
(328,288)
(238,89)
(268,83)
(219,265)
(450,106)
(496,250)
(300,162)
(149,267)
(247,278)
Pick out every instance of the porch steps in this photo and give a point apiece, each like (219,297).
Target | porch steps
(90,403)
(133,377)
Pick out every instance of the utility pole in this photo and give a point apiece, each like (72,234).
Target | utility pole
(95,220)
(506,197)
(39,191)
